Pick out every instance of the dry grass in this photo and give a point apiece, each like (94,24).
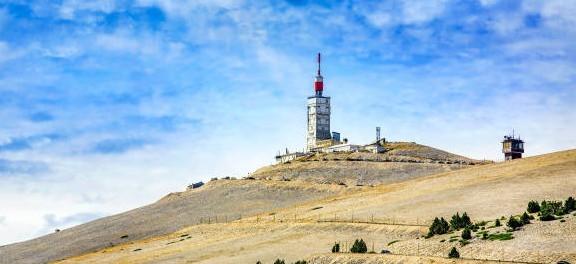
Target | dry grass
(485,192)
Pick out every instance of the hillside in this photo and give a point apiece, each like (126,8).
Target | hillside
(401,161)
(217,201)
(228,200)
(382,215)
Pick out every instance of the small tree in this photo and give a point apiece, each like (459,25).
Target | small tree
(359,247)
(279,261)
(455,221)
(458,221)
(300,262)
(454,253)
(466,234)
(548,209)
(533,207)
(525,219)
(497,222)
(438,227)
(336,248)
(513,223)
(569,205)
(258,262)
(466,222)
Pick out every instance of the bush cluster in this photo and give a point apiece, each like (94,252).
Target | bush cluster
(359,246)
(336,248)
(514,223)
(438,227)
(548,210)
(458,221)
(281,261)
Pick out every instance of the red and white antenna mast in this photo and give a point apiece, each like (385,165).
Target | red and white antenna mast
(319,83)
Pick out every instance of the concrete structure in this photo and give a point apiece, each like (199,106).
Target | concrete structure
(318,114)
(341,148)
(319,138)
(512,147)
(283,158)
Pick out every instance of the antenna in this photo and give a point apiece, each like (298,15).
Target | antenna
(318,63)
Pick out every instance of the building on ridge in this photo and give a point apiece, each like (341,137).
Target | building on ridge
(319,138)
(512,147)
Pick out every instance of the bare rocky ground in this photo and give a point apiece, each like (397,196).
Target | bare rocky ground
(227,200)
(402,161)
(381,215)
(218,201)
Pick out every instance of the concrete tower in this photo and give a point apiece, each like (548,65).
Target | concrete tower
(318,114)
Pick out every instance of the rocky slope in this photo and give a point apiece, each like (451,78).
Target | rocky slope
(275,187)
(401,161)
(392,216)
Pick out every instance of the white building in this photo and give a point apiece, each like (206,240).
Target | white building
(318,114)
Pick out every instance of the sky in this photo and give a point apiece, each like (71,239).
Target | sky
(110,105)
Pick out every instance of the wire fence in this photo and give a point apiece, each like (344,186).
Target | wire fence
(318,218)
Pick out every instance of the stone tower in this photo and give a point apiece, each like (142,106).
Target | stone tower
(318,114)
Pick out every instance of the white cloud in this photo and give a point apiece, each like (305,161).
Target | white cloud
(417,12)
(70,8)
(489,2)
(7,53)
(181,9)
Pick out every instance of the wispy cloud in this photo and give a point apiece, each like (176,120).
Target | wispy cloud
(186,87)
(119,146)
(21,167)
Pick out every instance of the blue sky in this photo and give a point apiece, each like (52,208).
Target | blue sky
(109,105)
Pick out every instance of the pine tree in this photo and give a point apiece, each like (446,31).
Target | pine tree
(359,246)
(455,222)
(533,207)
(466,234)
(336,248)
(569,205)
(454,253)
(466,222)
(525,219)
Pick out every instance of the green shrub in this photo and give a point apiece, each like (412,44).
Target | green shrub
(484,236)
(336,248)
(458,221)
(533,207)
(513,223)
(466,234)
(497,222)
(438,227)
(279,261)
(552,208)
(258,262)
(525,219)
(300,262)
(548,209)
(569,205)
(359,247)
(454,253)
(482,223)
(501,236)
